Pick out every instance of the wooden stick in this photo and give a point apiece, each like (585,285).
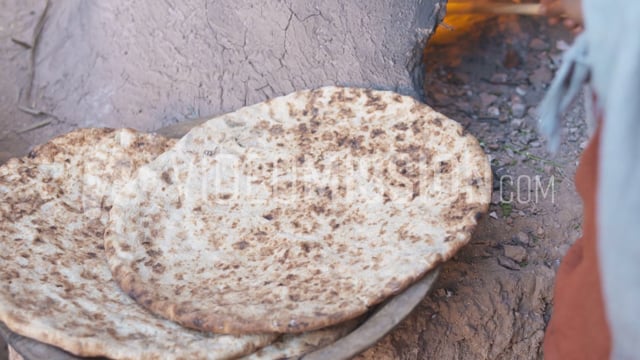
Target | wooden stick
(35,126)
(481,7)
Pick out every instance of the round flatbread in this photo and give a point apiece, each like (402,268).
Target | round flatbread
(297,213)
(55,284)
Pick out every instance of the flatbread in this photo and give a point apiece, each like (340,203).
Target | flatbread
(55,284)
(297,213)
(294,346)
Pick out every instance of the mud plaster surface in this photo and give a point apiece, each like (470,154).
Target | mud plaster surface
(146,64)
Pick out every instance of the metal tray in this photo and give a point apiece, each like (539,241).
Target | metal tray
(381,321)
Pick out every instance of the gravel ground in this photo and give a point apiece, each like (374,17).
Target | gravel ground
(494,298)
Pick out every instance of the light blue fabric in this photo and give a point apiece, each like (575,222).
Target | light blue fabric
(566,85)
(610,48)
(614,35)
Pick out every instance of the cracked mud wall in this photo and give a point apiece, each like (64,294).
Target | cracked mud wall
(147,64)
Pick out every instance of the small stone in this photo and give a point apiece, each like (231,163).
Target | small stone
(493,111)
(487,99)
(508,263)
(535,144)
(556,60)
(562,249)
(538,44)
(541,76)
(518,110)
(441,98)
(515,253)
(520,76)
(522,237)
(494,146)
(539,231)
(510,153)
(583,145)
(524,138)
(496,186)
(517,123)
(562,45)
(499,78)
(543,58)
(495,197)
(493,215)
(516,99)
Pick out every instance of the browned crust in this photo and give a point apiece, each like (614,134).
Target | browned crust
(465,214)
(186,315)
(47,274)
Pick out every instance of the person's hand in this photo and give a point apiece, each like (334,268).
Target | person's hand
(572,10)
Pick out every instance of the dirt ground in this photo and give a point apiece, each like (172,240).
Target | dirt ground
(494,299)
